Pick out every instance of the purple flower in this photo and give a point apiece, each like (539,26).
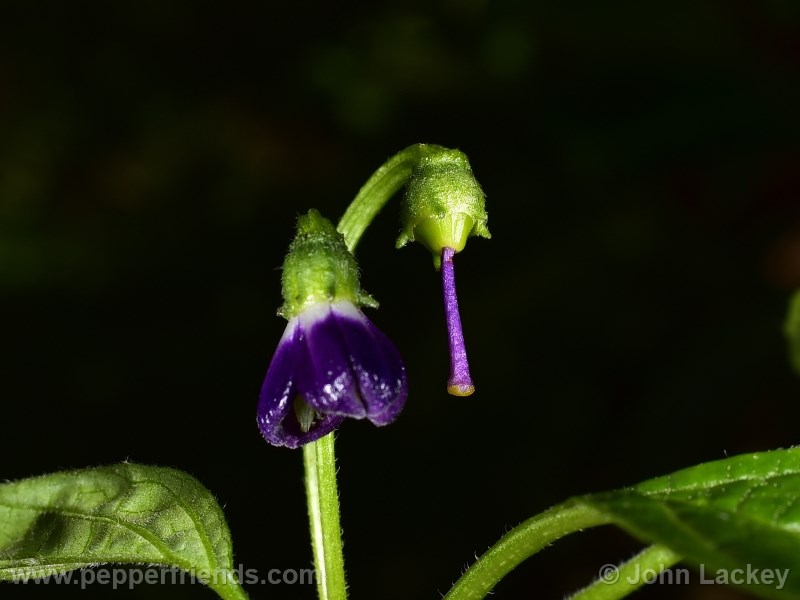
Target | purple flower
(331,363)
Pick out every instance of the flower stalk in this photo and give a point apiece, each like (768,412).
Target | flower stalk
(322,495)
(382,185)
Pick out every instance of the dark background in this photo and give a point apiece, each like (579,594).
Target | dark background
(640,163)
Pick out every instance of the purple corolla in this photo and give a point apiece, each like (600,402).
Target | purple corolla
(330,364)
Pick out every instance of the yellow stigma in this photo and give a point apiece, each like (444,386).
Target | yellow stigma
(461,390)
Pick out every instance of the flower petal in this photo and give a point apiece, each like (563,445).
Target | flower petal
(276,414)
(376,364)
(325,376)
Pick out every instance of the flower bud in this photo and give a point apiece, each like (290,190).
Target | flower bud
(444,204)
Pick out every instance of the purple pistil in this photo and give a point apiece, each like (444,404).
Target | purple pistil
(460,381)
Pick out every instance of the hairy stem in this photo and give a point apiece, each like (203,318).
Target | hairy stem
(618,582)
(319,460)
(382,185)
(520,543)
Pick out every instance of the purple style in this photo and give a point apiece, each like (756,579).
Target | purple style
(460,381)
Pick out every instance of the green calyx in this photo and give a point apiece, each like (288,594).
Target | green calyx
(444,204)
(319,268)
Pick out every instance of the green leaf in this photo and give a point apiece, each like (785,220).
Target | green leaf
(738,513)
(124,513)
(732,518)
(791,330)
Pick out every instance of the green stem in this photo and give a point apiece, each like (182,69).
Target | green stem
(319,460)
(383,184)
(618,582)
(229,590)
(520,543)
